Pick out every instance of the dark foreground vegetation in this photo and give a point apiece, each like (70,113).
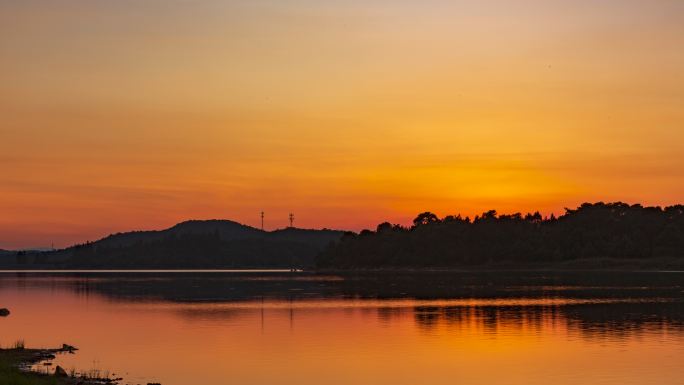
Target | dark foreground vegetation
(591,236)
(10,374)
(16,361)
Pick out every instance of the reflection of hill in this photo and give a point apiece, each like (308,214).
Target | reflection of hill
(220,287)
(594,304)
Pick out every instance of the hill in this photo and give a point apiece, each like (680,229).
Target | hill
(191,244)
(599,235)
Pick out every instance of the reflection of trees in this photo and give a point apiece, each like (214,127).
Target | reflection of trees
(489,318)
(594,321)
(613,321)
(656,301)
(387,314)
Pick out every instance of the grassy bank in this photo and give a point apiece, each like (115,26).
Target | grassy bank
(12,360)
(10,374)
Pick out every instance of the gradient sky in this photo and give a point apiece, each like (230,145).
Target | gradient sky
(130,114)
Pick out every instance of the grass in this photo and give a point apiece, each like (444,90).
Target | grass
(11,375)
(19,345)
(95,374)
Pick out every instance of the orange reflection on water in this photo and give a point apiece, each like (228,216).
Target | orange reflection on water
(349,341)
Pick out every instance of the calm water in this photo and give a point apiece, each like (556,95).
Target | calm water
(297,328)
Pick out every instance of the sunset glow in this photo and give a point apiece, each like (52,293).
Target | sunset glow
(125,115)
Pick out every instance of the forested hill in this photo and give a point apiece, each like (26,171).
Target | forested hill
(593,235)
(191,244)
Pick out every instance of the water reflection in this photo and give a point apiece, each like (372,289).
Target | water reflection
(595,304)
(591,320)
(196,287)
(186,328)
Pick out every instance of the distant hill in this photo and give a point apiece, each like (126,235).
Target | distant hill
(190,244)
(7,257)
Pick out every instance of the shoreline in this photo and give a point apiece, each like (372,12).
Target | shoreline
(17,368)
(606,265)
(660,264)
(498,269)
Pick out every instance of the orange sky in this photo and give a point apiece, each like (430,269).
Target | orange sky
(120,115)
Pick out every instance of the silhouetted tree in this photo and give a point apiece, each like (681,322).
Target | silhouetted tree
(597,233)
(425,218)
(384,227)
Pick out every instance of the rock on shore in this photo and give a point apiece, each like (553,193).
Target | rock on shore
(60,372)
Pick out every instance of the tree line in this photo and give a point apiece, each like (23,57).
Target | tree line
(593,231)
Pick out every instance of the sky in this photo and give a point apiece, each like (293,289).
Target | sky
(133,115)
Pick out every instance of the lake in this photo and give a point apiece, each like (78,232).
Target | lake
(249,328)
